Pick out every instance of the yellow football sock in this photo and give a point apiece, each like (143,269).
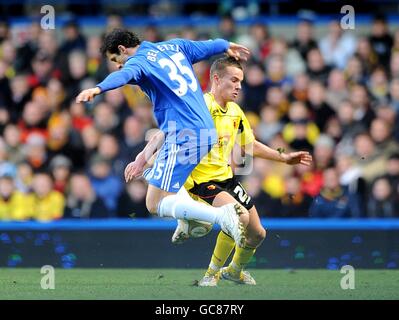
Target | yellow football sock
(224,246)
(240,259)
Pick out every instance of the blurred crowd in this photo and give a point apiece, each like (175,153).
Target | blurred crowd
(337,96)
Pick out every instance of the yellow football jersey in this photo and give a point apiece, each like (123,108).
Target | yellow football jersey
(232,126)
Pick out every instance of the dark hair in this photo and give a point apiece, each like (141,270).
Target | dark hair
(119,37)
(220,65)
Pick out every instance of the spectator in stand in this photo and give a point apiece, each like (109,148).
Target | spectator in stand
(105,120)
(116,99)
(299,89)
(381,133)
(304,40)
(354,72)
(265,204)
(107,186)
(49,45)
(292,60)
(363,112)
(378,85)
(381,40)
(66,141)
(227,28)
(276,73)
(43,70)
(334,201)
(76,72)
(24,177)
(48,203)
(28,49)
(270,124)
(82,201)
(12,138)
(60,168)
(131,202)
(108,148)
(94,57)
(311,180)
(324,152)
(372,164)
(254,86)
(259,33)
(79,117)
(338,46)
(36,153)
(366,56)
(14,205)
(321,112)
(350,176)
(19,96)
(300,132)
(349,126)
(133,139)
(277,98)
(316,68)
(337,90)
(383,202)
(295,203)
(90,138)
(152,34)
(33,121)
(73,38)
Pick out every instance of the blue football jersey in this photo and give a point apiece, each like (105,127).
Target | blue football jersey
(164,72)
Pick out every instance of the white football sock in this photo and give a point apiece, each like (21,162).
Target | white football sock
(183,193)
(180,207)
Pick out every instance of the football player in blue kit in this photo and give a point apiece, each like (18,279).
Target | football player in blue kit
(164,72)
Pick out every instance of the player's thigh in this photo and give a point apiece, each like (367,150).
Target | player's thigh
(223,198)
(255,231)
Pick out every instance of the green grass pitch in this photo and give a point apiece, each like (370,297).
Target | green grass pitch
(168,284)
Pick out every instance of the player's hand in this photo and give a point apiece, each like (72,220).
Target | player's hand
(238,51)
(88,94)
(300,157)
(134,170)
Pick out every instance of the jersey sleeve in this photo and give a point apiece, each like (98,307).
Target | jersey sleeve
(202,50)
(130,73)
(245,134)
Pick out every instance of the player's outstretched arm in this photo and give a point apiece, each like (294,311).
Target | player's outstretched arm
(262,151)
(88,95)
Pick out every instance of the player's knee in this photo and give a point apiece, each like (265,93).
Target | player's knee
(152,207)
(257,237)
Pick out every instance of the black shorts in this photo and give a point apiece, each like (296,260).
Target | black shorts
(207,191)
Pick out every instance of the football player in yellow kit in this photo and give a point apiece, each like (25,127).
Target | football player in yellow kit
(213,180)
